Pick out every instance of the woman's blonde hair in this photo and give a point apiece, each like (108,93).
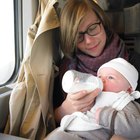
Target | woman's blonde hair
(71,16)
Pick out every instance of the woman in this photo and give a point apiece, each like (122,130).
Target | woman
(87,42)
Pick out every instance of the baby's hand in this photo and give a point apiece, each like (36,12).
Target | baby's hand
(97,115)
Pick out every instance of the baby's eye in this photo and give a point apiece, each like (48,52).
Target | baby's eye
(110,77)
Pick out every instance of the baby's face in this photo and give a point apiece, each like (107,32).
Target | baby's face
(113,81)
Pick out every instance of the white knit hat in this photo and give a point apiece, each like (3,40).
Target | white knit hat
(125,68)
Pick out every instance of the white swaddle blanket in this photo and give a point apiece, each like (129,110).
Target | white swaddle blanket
(79,121)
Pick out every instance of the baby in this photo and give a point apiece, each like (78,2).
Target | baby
(118,94)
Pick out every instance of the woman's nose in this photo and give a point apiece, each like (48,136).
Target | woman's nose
(87,38)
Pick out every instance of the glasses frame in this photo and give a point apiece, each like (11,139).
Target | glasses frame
(87,31)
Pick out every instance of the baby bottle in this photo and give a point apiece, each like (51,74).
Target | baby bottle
(74,81)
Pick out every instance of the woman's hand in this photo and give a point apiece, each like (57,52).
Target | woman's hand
(80,101)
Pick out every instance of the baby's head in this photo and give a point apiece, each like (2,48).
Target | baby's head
(119,74)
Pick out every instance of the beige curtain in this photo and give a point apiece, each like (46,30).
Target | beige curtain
(31,114)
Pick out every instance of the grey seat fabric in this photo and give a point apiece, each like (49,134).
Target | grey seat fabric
(10,137)
(4,106)
(127,25)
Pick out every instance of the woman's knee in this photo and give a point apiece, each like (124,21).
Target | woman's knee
(62,135)
(56,135)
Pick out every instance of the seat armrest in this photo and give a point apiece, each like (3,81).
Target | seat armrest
(4,106)
(10,137)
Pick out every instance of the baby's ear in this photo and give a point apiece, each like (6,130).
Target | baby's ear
(130,90)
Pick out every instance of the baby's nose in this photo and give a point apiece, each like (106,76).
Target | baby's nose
(103,79)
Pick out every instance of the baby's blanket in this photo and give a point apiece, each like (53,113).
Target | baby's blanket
(79,121)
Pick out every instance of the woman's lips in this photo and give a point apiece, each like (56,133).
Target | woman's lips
(93,48)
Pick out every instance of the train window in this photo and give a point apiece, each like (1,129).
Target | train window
(10,40)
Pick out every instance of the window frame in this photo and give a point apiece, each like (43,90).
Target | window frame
(18,36)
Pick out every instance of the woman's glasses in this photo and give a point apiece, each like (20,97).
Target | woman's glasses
(92,30)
